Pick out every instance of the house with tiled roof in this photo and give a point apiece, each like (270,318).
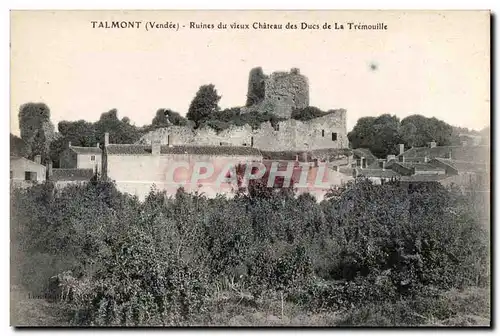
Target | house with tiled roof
(75,157)
(62,177)
(459,153)
(363,157)
(24,172)
(136,168)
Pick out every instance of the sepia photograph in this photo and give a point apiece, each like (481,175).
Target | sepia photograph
(243,168)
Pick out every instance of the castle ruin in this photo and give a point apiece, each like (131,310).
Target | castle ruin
(279,93)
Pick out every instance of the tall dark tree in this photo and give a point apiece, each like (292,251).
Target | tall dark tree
(40,145)
(31,118)
(204,104)
(256,86)
(36,128)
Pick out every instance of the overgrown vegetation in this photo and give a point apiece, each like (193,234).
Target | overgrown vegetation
(383,134)
(308,113)
(369,254)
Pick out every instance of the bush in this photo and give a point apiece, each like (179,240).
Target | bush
(123,262)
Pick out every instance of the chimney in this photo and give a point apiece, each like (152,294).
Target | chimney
(69,144)
(297,157)
(97,146)
(401,148)
(38,159)
(433,144)
(49,170)
(426,159)
(106,139)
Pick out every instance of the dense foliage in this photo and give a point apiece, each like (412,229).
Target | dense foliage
(88,134)
(203,104)
(166,118)
(224,119)
(19,147)
(383,134)
(256,86)
(307,113)
(36,129)
(118,261)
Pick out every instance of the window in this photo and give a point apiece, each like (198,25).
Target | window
(92,158)
(401,158)
(334,136)
(11,175)
(277,127)
(381,164)
(323,133)
(29,176)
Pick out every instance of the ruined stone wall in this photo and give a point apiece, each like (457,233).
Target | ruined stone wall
(289,135)
(283,92)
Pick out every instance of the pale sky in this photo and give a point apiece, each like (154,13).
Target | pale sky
(430,63)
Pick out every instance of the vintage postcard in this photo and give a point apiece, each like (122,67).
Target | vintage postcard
(250,168)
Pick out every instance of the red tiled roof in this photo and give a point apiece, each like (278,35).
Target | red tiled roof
(331,153)
(366,153)
(86,150)
(420,166)
(377,173)
(462,153)
(424,177)
(72,174)
(16,158)
(465,166)
(133,149)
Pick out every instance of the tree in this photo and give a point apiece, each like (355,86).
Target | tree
(256,86)
(167,117)
(120,132)
(19,147)
(36,128)
(31,118)
(379,134)
(418,131)
(80,133)
(204,104)
(40,145)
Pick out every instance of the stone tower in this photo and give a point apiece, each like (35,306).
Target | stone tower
(278,93)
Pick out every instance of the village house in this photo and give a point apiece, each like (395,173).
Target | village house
(24,172)
(136,168)
(81,158)
(63,177)
(460,165)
